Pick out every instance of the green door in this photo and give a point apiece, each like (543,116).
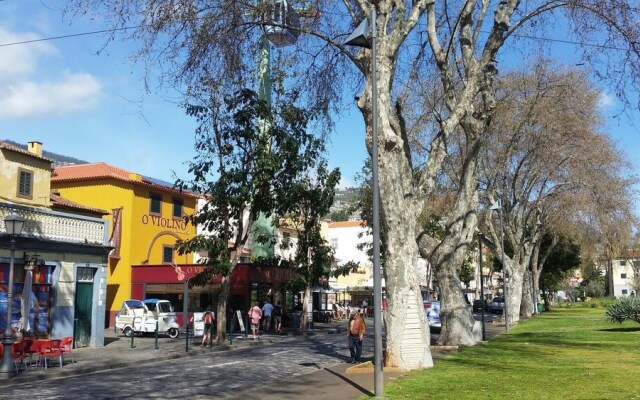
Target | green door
(84,304)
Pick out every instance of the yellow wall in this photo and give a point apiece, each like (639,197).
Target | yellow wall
(143,234)
(10,164)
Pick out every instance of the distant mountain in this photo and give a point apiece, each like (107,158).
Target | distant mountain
(58,159)
(343,199)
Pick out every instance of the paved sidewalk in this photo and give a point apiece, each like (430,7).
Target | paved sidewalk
(118,353)
(336,383)
(333,382)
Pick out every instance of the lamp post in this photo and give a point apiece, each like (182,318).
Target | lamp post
(505,273)
(365,37)
(13,224)
(481,287)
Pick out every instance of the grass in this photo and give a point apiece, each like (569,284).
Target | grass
(564,354)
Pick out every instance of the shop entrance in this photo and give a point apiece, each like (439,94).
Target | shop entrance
(83,306)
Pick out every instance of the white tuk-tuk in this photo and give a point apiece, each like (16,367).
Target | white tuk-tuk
(137,316)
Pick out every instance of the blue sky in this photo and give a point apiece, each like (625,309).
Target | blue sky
(93,106)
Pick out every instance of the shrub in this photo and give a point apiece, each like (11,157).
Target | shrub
(625,308)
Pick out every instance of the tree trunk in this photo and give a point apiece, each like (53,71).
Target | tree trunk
(526,303)
(456,317)
(305,304)
(407,336)
(221,324)
(545,296)
(448,256)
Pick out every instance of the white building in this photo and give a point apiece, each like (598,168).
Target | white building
(623,275)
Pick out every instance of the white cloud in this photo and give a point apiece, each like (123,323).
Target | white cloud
(72,92)
(345,183)
(24,94)
(606,100)
(20,60)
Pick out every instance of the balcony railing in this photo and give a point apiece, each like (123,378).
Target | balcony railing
(57,226)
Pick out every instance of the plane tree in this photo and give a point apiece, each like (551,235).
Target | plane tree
(547,164)
(457,42)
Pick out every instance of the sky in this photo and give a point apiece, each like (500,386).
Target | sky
(87,101)
(83,101)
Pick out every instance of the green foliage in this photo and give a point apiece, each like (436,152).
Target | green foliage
(466,272)
(625,308)
(341,215)
(597,303)
(562,261)
(250,158)
(593,284)
(345,269)
(364,204)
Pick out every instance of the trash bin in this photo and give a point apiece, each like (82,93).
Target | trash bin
(540,308)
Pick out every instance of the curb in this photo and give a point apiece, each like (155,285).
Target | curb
(367,367)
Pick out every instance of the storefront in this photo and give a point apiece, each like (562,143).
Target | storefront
(41,296)
(248,285)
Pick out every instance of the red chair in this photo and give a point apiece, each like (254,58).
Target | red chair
(49,349)
(18,353)
(29,348)
(66,345)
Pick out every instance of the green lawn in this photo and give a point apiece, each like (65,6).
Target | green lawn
(563,354)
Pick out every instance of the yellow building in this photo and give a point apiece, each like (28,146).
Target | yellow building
(146,220)
(25,175)
(59,263)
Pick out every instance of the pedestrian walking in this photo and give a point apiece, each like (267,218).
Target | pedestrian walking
(208,319)
(267,310)
(355,335)
(255,314)
(277,317)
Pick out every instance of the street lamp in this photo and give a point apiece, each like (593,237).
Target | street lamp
(505,273)
(481,286)
(13,224)
(365,37)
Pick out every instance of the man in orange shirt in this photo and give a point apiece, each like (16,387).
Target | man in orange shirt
(355,335)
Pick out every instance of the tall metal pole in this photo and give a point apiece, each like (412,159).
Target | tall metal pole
(8,368)
(505,275)
(377,278)
(481,287)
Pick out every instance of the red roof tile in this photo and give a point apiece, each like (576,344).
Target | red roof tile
(84,172)
(347,224)
(58,201)
(7,146)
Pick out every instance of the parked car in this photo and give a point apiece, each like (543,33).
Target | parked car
(432,314)
(497,305)
(478,305)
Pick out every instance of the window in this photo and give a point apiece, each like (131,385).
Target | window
(286,240)
(167,254)
(623,262)
(334,243)
(85,274)
(624,291)
(623,275)
(156,204)
(25,183)
(177,208)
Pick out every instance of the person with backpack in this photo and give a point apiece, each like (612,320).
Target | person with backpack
(355,335)
(276,314)
(208,319)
